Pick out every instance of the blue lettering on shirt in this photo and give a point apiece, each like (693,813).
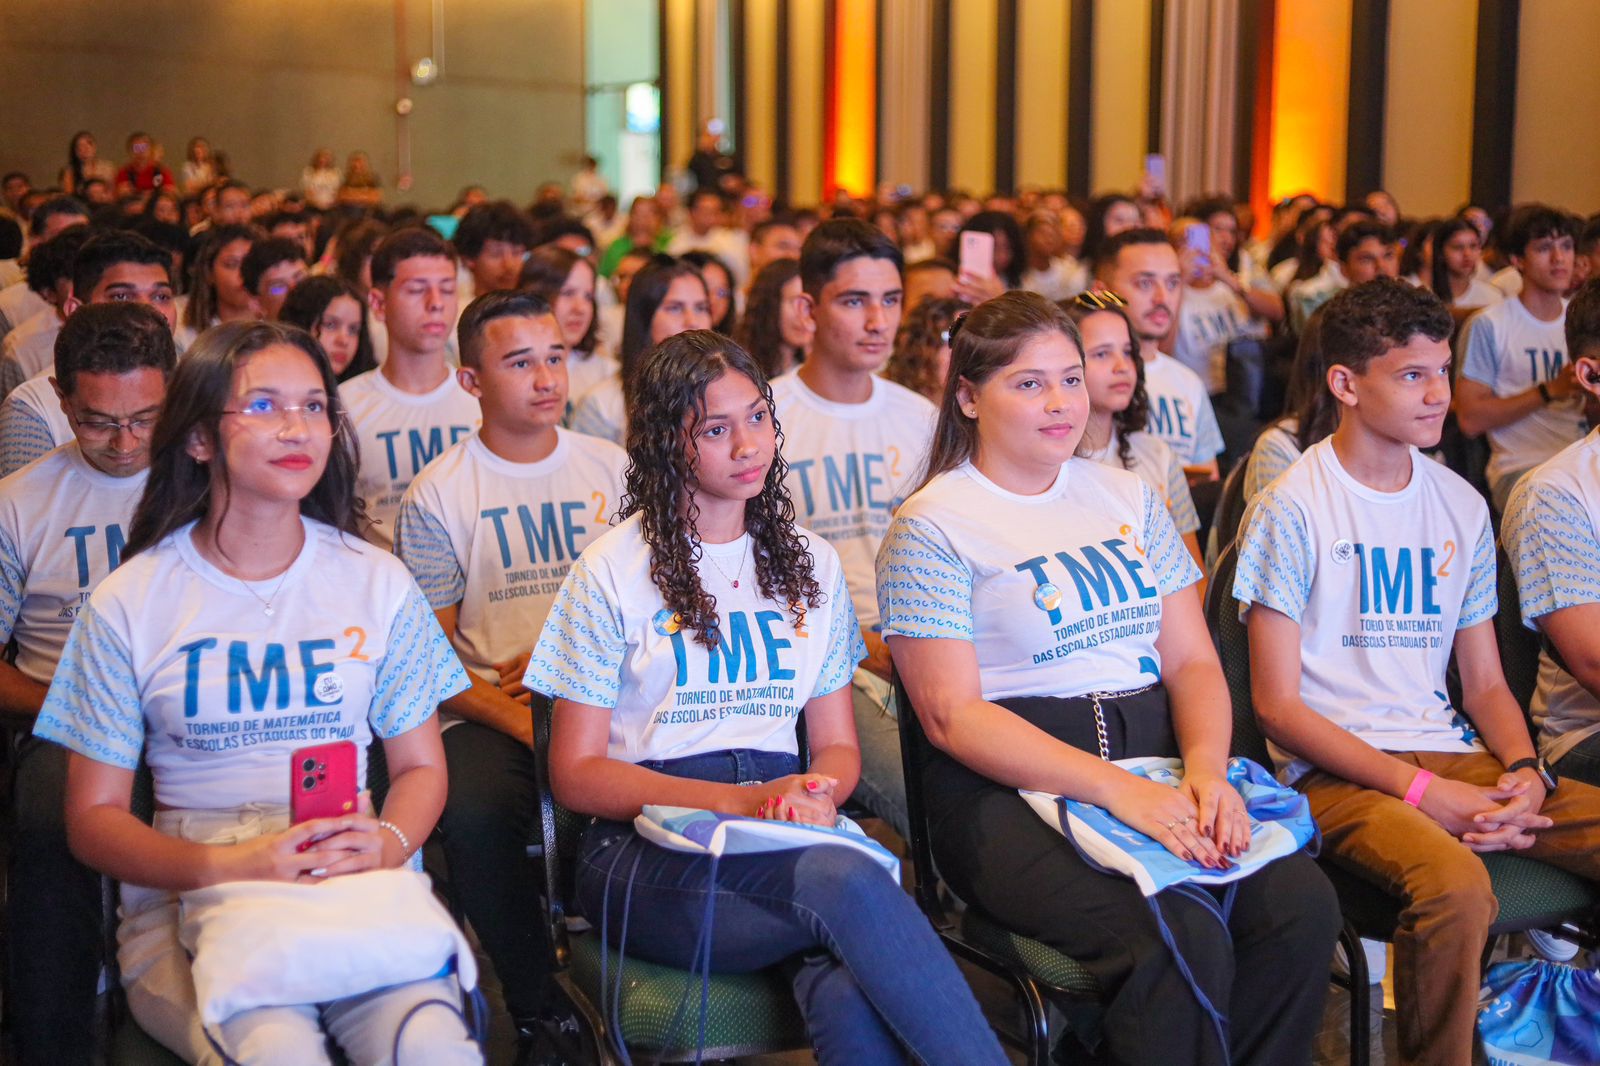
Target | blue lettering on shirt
(729,657)
(1388,586)
(1170,422)
(263,680)
(854,481)
(555,533)
(80,541)
(1544,363)
(423,449)
(1099,583)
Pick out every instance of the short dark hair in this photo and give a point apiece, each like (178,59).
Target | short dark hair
(1589,236)
(1530,222)
(496,221)
(266,254)
(1352,235)
(937,262)
(113,338)
(56,205)
(13,175)
(10,236)
(1583,321)
(1110,248)
(1365,321)
(767,225)
(563,226)
(511,303)
(278,218)
(107,248)
(837,241)
(50,262)
(412,242)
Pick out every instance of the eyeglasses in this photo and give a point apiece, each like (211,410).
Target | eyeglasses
(1099,300)
(103,431)
(271,416)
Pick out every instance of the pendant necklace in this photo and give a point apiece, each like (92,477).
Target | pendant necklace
(734,581)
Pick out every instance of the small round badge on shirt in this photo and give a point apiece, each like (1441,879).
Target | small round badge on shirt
(1047,597)
(1343,551)
(329,688)
(666,622)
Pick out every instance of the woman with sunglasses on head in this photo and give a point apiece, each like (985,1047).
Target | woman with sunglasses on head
(246,603)
(1041,612)
(707,556)
(1113,375)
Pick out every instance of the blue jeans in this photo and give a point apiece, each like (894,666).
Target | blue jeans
(871,977)
(882,788)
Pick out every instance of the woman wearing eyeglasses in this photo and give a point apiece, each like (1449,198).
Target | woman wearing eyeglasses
(1042,615)
(248,620)
(1119,408)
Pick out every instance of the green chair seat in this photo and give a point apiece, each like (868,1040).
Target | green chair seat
(1039,961)
(660,1015)
(1530,892)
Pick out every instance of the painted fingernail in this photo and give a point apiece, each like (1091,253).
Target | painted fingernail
(791,814)
(812,786)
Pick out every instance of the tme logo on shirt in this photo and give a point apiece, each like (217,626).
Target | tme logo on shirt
(1097,572)
(736,651)
(853,481)
(115,542)
(265,678)
(1392,583)
(1169,422)
(423,450)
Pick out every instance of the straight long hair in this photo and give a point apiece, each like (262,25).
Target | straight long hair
(984,342)
(1132,418)
(179,489)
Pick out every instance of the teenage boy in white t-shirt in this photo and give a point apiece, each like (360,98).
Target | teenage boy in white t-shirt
(272,267)
(30,347)
(63,521)
(1516,382)
(1210,317)
(1360,569)
(410,409)
(1141,266)
(490,530)
(855,443)
(1551,534)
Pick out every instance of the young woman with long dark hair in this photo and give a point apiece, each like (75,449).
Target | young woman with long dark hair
(1042,613)
(247,607)
(1457,255)
(330,309)
(666,298)
(775,329)
(706,554)
(566,281)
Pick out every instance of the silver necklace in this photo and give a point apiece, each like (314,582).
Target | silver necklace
(266,604)
(734,581)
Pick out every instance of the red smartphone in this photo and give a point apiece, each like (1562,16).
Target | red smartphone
(322,781)
(977,254)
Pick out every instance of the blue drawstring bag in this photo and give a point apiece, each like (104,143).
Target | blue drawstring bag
(1280,824)
(1538,1012)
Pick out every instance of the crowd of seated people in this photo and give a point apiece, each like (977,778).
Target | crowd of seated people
(412,474)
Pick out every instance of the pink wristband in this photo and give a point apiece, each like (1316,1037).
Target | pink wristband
(1419,785)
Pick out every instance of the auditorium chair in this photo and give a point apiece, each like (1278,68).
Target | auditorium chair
(659,1013)
(1532,894)
(1038,974)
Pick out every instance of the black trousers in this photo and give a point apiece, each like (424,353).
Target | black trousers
(53,925)
(487,825)
(1267,971)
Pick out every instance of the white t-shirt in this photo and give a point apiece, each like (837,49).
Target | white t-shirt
(31,423)
(29,349)
(1180,410)
(1209,319)
(1274,451)
(1510,351)
(1479,294)
(1380,582)
(18,303)
(1064,279)
(1508,280)
(585,372)
(62,527)
(602,412)
(610,642)
(399,433)
(498,537)
(1161,469)
(850,465)
(1059,593)
(176,658)
(1551,534)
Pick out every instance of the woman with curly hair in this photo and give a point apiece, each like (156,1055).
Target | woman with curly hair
(682,650)
(775,330)
(1119,409)
(921,356)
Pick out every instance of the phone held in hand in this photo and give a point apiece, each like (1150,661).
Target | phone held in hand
(322,781)
(977,254)
(1198,238)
